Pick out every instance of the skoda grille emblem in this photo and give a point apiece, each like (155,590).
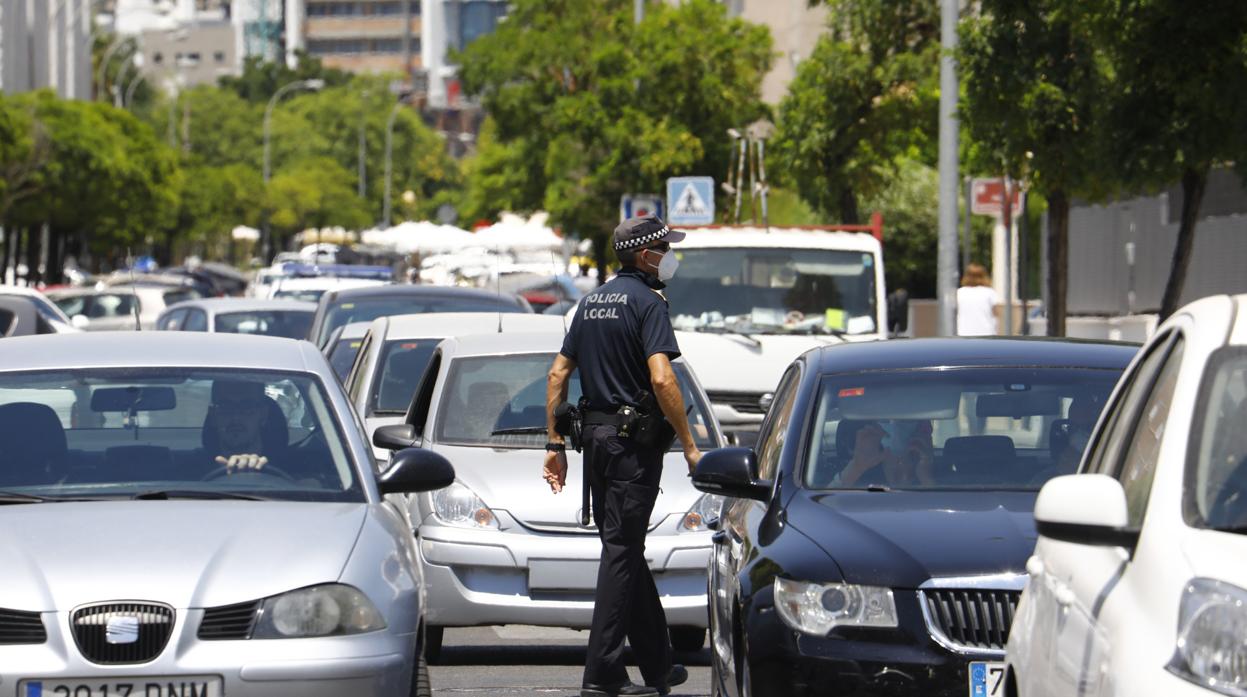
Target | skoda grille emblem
(122,629)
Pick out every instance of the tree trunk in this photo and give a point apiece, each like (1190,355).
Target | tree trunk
(599,257)
(849,214)
(1058,261)
(34,243)
(1193,184)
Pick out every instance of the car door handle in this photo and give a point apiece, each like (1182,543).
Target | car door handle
(1034,566)
(719,537)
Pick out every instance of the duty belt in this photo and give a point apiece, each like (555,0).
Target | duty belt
(607,418)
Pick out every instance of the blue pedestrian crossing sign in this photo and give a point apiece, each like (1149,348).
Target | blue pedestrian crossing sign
(690,200)
(633,205)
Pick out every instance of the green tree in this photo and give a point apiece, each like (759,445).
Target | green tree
(314,193)
(1180,106)
(589,106)
(260,79)
(214,201)
(867,96)
(1035,87)
(23,152)
(911,227)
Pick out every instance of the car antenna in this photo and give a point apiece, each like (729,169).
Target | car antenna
(134,289)
(498,282)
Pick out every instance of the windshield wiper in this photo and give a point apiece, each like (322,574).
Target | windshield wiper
(167,494)
(735,332)
(518,431)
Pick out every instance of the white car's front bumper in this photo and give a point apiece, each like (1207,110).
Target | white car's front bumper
(518,576)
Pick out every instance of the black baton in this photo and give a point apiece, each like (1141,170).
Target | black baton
(584,495)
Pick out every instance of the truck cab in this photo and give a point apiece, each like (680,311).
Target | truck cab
(747,301)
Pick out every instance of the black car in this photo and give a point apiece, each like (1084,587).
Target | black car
(338,308)
(878,537)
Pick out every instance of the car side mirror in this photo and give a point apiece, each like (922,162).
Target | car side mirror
(395,437)
(730,472)
(1085,509)
(414,470)
(80,322)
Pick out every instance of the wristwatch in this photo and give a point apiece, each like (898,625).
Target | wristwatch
(553,447)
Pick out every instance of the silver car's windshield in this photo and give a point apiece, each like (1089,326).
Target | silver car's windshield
(127,432)
(1216,478)
(500,401)
(968,428)
(774,290)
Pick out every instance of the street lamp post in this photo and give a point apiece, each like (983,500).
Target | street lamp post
(389,162)
(102,77)
(312,84)
(128,101)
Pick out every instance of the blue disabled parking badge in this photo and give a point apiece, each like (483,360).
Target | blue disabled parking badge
(34,689)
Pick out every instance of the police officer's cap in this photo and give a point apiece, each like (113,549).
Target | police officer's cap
(644,231)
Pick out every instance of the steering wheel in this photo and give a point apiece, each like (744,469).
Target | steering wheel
(224,471)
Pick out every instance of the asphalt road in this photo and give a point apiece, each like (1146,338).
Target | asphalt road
(518,660)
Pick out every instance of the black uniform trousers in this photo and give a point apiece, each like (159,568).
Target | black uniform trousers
(624,480)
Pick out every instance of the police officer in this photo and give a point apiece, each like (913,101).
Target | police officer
(622,342)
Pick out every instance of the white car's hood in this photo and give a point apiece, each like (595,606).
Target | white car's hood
(56,556)
(510,480)
(737,363)
(1215,554)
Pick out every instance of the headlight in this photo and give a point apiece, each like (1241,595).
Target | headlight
(708,506)
(817,608)
(329,610)
(460,506)
(1212,637)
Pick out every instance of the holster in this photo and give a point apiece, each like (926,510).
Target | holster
(652,430)
(569,423)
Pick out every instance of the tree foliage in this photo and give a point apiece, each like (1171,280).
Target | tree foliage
(588,106)
(867,96)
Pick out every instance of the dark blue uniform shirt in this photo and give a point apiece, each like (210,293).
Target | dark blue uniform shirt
(616,329)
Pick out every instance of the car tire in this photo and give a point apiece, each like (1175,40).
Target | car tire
(688,638)
(433,637)
(420,685)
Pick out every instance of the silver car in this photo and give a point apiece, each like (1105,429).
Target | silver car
(148,550)
(285,318)
(498,547)
(395,352)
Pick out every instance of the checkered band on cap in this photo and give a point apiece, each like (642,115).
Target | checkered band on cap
(643,239)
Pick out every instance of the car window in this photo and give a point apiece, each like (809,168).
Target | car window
(73,305)
(342,356)
(965,428)
(196,321)
(368,309)
(1215,494)
(1138,468)
(357,370)
(1106,448)
(118,432)
(290,324)
(174,297)
(173,320)
(500,401)
(6,321)
(398,374)
(774,431)
(107,305)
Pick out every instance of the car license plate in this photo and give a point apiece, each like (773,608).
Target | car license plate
(987,679)
(177,686)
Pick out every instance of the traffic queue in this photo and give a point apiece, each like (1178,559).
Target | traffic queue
(306,510)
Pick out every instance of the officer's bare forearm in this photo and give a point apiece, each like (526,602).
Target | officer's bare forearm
(556,392)
(667,390)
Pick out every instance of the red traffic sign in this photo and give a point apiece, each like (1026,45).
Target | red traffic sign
(987,197)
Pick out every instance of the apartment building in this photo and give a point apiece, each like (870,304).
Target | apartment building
(357,35)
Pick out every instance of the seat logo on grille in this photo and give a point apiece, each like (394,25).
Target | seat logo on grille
(122,629)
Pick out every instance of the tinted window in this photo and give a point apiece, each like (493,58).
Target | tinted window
(173,320)
(291,324)
(107,305)
(1138,468)
(196,321)
(1106,450)
(119,432)
(964,428)
(368,309)
(73,304)
(771,443)
(343,356)
(1216,480)
(174,297)
(500,401)
(6,321)
(399,371)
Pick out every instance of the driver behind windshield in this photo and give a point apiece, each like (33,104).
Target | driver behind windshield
(907,458)
(243,430)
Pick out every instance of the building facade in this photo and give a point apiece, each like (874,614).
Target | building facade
(365,36)
(46,44)
(795,29)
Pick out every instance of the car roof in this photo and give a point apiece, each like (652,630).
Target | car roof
(506,344)
(223,305)
(429,324)
(912,354)
(19,290)
(157,349)
(721,237)
(400,290)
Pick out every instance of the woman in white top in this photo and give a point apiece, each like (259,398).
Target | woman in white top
(976,303)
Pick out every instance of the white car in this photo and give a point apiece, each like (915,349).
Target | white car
(310,288)
(395,351)
(48,317)
(1138,583)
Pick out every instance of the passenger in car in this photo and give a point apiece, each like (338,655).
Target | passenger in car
(909,460)
(244,429)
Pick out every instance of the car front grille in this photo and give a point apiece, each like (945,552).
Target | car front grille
(743,402)
(229,621)
(970,620)
(21,627)
(121,633)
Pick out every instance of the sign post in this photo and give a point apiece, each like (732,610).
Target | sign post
(690,200)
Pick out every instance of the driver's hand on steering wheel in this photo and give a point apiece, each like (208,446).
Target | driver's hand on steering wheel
(242,463)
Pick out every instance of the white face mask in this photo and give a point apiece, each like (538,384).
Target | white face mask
(667,267)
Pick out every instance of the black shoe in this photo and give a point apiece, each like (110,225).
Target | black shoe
(677,676)
(624,688)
